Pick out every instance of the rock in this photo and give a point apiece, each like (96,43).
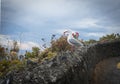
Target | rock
(69,67)
(7,79)
(107,72)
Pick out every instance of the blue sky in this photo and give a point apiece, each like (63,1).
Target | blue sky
(32,20)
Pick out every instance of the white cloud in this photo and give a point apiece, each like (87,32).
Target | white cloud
(94,34)
(83,34)
(42,15)
(84,23)
(28,45)
(62,30)
(113,29)
(31,10)
(32,13)
(6,41)
(87,22)
(3,36)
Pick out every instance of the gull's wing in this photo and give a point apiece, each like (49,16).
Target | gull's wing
(75,42)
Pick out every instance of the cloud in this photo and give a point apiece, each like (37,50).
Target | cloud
(3,39)
(6,41)
(84,35)
(108,9)
(88,22)
(28,45)
(84,23)
(43,17)
(61,30)
(113,29)
(95,34)
(4,36)
(30,10)
(90,25)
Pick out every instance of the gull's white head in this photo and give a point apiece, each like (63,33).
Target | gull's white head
(67,32)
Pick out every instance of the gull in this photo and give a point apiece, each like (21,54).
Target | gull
(72,40)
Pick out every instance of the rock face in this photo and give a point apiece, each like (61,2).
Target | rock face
(68,67)
(107,71)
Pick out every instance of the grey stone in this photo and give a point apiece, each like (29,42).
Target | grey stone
(69,67)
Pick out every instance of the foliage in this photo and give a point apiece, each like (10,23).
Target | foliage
(11,64)
(46,54)
(91,41)
(57,46)
(13,55)
(6,66)
(35,51)
(2,52)
(15,47)
(60,44)
(28,55)
(16,65)
(110,37)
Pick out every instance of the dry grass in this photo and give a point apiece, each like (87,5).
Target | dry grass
(118,65)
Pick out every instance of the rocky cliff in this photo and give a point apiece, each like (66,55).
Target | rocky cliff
(68,67)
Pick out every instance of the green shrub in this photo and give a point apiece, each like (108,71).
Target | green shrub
(28,55)
(60,44)
(6,66)
(16,64)
(46,54)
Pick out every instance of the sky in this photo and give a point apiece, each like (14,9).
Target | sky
(27,21)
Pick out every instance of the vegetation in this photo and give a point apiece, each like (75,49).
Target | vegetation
(15,47)
(109,37)
(57,46)
(9,57)
(35,53)
(2,52)
(46,54)
(60,44)
(91,41)
(7,66)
